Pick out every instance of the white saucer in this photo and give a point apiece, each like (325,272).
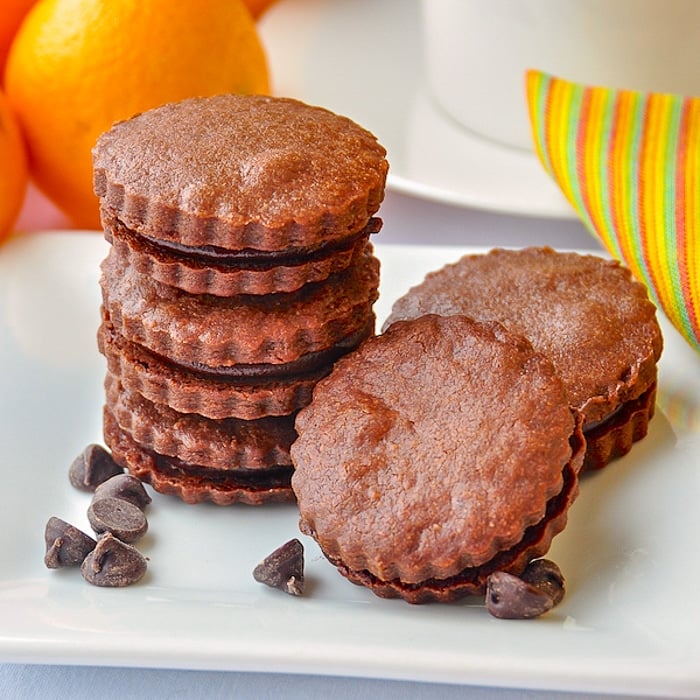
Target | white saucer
(362,58)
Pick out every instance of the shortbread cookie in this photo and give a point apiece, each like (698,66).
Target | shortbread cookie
(204,332)
(219,272)
(434,455)
(240,172)
(586,313)
(194,483)
(244,391)
(224,444)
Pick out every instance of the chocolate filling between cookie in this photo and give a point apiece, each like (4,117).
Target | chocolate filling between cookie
(250,479)
(149,466)
(622,413)
(211,256)
(243,373)
(614,436)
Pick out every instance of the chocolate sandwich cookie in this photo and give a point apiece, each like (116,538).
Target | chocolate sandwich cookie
(194,483)
(210,333)
(437,453)
(243,391)
(587,314)
(224,444)
(238,176)
(216,271)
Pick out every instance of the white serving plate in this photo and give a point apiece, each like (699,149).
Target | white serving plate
(628,623)
(362,58)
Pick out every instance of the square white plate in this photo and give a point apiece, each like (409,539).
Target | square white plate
(630,555)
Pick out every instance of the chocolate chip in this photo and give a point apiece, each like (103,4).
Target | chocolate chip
(65,544)
(283,568)
(119,517)
(546,576)
(126,487)
(509,597)
(91,467)
(113,564)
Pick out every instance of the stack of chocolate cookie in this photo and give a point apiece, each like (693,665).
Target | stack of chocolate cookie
(240,269)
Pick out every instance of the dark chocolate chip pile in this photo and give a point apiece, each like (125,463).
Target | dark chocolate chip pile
(116,514)
(283,568)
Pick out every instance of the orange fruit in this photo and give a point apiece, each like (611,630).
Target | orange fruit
(11,16)
(13,168)
(257,7)
(77,66)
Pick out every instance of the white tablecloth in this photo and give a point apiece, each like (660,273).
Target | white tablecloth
(21,682)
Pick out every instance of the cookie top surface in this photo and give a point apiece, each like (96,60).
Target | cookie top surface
(585,313)
(431,449)
(239,172)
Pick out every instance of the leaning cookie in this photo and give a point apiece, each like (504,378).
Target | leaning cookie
(595,323)
(434,455)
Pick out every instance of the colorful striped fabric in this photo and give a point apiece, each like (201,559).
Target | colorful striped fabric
(629,163)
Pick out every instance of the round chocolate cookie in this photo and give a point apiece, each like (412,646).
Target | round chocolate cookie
(214,271)
(240,172)
(595,323)
(435,454)
(204,332)
(195,483)
(247,391)
(227,444)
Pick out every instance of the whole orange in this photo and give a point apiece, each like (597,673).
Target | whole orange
(11,16)
(77,66)
(13,168)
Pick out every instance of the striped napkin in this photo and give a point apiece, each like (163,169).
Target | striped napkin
(629,163)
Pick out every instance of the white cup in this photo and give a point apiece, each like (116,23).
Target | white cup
(477,52)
